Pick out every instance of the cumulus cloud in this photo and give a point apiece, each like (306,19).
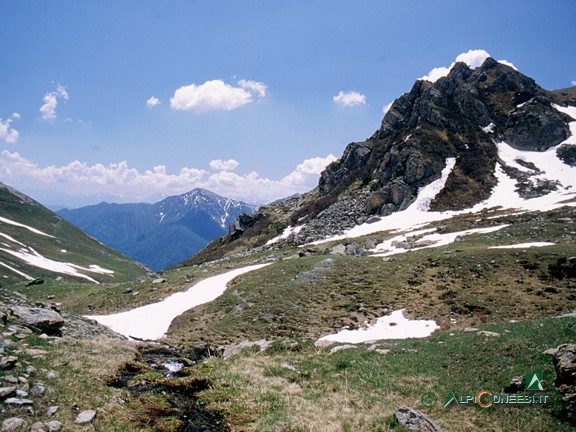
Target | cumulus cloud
(80,178)
(349,98)
(387,107)
(216,95)
(573,83)
(152,102)
(7,132)
(224,165)
(473,58)
(51,101)
(255,87)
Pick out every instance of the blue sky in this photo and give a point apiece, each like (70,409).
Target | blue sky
(134,100)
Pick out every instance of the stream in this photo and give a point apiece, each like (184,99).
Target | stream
(159,379)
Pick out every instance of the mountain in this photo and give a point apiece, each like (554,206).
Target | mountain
(477,138)
(37,243)
(161,234)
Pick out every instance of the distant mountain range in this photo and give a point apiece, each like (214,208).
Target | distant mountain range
(161,234)
(36,243)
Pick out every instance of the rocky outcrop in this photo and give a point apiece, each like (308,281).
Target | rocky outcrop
(42,320)
(564,359)
(448,118)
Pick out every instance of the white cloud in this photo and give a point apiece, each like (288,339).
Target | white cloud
(130,184)
(253,86)
(387,107)
(349,98)
(224,165)
(573,83)
(507,63)
(216,95)
(51,100)
(7,132)
(473,58)
(152,102)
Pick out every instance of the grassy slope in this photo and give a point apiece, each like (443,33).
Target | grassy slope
(465,281)
(81,249)
(296,387)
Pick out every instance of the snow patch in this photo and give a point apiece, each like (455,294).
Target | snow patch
(285,234)
(489,128)
(414,216)
(34,230)
(152,321)
(18,272)
(395,245)
(33,258)
(523,245)
(393,326)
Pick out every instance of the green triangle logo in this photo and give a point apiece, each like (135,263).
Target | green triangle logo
(534,381)
(451,398)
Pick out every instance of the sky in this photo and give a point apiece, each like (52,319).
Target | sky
(136,100)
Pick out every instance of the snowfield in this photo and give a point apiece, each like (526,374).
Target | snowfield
(393,326)
(152,321)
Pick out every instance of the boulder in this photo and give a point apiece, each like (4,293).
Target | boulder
(43,320)
(12,424)
(415,420)
(85,417)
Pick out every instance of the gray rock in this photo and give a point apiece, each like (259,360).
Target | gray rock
(415,420)
(488,333)
(339,249)
(7,391)
(342,347)
(353,249)
(235,349)
(38,390)
(8,362)
(51,411)
(85,417)
(38,427)
(159,281)
(12,424)
(44,320)
(11,379)
(53,425)
(18,401)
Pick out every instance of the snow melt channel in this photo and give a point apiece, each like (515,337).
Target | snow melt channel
(152,321)
(393,326)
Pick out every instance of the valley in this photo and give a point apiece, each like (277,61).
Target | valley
(457,217)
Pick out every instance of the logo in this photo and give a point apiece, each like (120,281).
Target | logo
(429,399)
(534,381)
(451,398)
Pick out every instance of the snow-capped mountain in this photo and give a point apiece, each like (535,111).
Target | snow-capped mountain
(482,137)
(160,234)
(36,243)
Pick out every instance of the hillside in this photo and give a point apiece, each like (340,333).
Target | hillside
(37,243)
(161,234)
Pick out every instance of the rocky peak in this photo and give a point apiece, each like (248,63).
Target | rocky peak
(461,115)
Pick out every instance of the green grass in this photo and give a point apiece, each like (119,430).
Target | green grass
(359,390)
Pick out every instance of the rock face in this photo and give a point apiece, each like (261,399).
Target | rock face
(44,320)
(564,358)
